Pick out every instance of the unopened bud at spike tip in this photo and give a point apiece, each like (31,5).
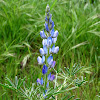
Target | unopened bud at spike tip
(47,8)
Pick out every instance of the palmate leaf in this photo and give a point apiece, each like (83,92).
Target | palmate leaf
(65,88)
(67,70)
(16,87)
(77,70)
(74,70)
(21,82)
(18,83)
(12,88)
(10,83)
(59,92)
(7,86)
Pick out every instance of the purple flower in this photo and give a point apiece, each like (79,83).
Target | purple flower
(53,64)
(47,84)
(46,27)
(50,60)
(43,50)
(54,49)
(41,60)
(44,69)
(54,40)
(42,34)
(55,34)
(51,77)
(49,41)
(46,18)
(50,50)
(52,24)
(44,42)
(40,81)
(52,32)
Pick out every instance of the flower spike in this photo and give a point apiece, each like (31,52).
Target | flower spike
(49,39)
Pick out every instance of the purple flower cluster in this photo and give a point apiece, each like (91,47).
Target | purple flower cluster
(49,39)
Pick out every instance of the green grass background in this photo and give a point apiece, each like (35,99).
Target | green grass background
(78,23)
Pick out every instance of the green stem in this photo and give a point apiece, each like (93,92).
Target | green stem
(56,79)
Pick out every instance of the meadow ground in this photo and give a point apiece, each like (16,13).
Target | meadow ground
(78,23)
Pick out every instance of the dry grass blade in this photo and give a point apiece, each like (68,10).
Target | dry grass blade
(76,46)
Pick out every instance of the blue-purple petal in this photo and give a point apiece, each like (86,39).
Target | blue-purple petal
(52,32)
(38,81)
(43,59)
(54,40)
(50,50)
(39,59)
(52,24)
(46,19)
(41,81)
(53,48)
(55,34)
(56,50)
(50,60)
(47,84)
(44,69)
(54,62)
(42,51)
(45,49)
(46,27)
(49,76)
(52,78)
(44,42)
(42,34)
(49,41)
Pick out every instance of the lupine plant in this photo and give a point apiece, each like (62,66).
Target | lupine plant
(49,85)
(49,39)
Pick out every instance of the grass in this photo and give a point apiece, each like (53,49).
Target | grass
(78,23)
